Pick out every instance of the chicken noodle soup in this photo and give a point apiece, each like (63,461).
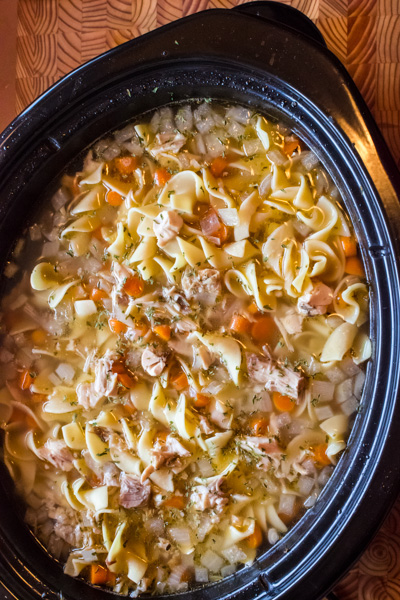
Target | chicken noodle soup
(181,365)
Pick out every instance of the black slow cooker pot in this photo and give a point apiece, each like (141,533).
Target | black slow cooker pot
(272,58)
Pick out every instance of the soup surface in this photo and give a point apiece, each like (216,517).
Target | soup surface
(180,365)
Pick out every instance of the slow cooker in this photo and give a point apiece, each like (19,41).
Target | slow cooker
(270,57)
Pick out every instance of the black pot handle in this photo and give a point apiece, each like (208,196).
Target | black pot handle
(284,15)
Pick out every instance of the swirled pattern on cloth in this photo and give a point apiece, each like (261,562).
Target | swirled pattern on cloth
(377,574)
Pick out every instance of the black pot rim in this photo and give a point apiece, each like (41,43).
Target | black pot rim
(340,129)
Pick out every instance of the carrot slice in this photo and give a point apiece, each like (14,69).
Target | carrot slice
(252,308)
(134,286)
(38,336)
(127,380)
(101,575)
(126,164)
(116,326)
(290,147)
(255,539)
(349,245)
(264,329)
(201,400)
(283,403)
(25,380)
(98,234)
(354,266)
(240,324)
(218,166)
(161,176)
(114,199)
(163,331)
(319,455)
(98,295)
(259,425)
(175,502)
(179,381)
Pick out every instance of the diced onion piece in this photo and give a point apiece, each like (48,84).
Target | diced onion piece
(273,536)
(212,561)
(201,574)
(286,504)
(85,308)
(65,372)
(54,379)
(323,412)
(350,406)
(234,554)
(305,484)
(344,391)
(323,390)
(228,570)
(359,384)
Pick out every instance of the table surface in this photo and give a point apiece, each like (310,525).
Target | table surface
(45,39)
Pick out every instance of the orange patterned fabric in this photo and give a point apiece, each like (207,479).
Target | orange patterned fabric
(56,36)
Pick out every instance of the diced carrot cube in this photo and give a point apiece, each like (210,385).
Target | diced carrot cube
(283,403)
(175,502)
(201,400)
(116,326)
(319,455)
(240,324)
(38,337)
(264,330)
(113,198)
(354,266)
(259,425)
(25,380)
(134,286)
(163,331)
(218,166)
(98,295)
(179,381)
(349,246)
(161,176)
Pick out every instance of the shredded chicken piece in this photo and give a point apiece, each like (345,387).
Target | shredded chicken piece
(179,301)
(120,274)
(203,285)
(220,414)
(167,142)
(167,226)
(206,357)
(133,492)
(293,322)
(154,361)
(86,395)
(276,377)
(210,496)
(106,382)
(107,473)
(166,452)
(205,426)
(57,453)
(315,302)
